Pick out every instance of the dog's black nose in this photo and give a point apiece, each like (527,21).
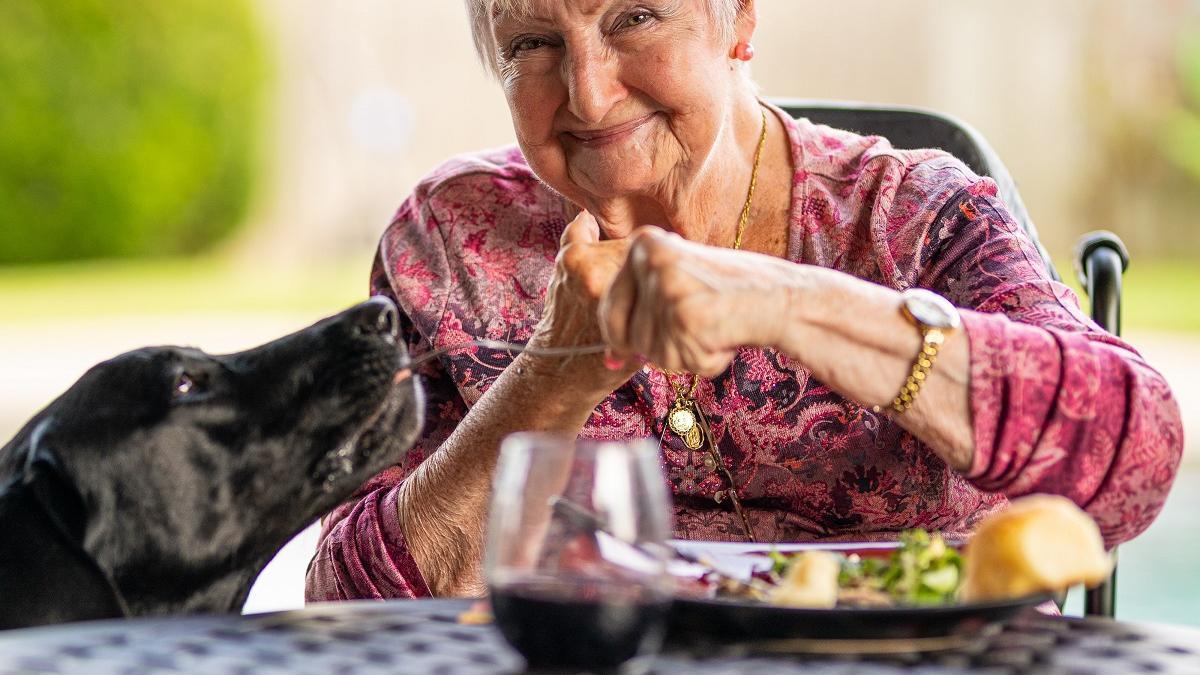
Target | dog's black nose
(377,316)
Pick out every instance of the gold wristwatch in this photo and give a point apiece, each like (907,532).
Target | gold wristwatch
(937,319)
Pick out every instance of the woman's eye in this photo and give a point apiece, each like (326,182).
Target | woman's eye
(526,44)
(636,19)
(184,385)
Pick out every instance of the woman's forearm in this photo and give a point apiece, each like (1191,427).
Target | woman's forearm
(853,337)
(686,306)
(443,505)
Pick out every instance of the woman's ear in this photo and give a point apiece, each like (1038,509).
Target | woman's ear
(747,22)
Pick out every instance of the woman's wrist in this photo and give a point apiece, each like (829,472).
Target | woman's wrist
(572,385)
(850,333)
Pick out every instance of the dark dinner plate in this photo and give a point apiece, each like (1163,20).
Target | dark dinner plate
(739,620)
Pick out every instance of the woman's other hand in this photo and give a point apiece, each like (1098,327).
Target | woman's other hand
(583,272)
(686,306)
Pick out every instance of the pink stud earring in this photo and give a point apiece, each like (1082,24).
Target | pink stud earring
(744,51)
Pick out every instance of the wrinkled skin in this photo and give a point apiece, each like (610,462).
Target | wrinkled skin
(179,474)
(583,271)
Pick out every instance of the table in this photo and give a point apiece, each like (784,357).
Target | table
(425,637)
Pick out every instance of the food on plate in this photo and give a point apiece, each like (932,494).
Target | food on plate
(924,570)
(1040,543)
(811,580)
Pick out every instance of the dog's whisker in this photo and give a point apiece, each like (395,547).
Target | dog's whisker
(548,352)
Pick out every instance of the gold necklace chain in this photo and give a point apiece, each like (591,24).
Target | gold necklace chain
(745,218)
(684,418)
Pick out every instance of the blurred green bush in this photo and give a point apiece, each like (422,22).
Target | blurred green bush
(1181,133)
(1143,116)
(127,127)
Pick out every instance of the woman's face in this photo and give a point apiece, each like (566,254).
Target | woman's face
(616,98)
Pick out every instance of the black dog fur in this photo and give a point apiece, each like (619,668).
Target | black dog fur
(163,481)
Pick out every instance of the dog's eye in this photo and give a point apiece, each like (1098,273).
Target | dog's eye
(184,385)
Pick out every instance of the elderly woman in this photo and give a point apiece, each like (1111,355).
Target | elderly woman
(753,276)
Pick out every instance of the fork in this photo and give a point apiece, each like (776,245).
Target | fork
(586,520)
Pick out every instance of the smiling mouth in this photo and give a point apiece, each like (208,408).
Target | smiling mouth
(610,134)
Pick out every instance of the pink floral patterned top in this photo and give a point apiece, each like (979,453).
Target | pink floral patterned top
(1059,406)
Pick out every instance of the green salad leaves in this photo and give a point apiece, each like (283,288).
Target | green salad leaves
(923,571)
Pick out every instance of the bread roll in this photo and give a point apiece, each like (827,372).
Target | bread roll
(811,581)
(1040,543)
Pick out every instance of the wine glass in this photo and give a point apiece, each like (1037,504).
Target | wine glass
(576,560)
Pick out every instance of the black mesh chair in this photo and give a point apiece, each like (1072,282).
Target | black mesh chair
(1100,257)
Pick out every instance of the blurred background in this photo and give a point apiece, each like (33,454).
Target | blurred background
(217,172)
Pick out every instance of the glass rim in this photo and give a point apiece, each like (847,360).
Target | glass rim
(636,445)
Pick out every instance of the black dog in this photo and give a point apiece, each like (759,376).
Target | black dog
(164,480)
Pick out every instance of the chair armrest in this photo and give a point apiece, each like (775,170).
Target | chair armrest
(1100,260)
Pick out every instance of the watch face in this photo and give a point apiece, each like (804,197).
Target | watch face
(931,309)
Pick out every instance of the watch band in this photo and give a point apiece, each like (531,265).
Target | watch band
(931,341)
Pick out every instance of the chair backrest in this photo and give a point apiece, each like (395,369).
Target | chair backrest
(912,128)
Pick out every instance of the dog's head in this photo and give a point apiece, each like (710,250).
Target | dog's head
(191,466)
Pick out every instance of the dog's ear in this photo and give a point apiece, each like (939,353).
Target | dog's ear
(45,574)
(47,480)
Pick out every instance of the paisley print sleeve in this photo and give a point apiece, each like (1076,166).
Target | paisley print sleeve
(1058,405)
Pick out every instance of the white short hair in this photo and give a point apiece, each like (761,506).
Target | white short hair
(481,12)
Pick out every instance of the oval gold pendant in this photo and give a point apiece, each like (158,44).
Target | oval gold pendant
(682,421)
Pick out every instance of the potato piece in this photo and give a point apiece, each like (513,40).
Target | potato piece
(811,580)
(1040,543)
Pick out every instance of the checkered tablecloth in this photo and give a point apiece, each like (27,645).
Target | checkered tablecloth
(426,637)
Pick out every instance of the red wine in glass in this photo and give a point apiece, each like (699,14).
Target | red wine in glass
(575,559)
(568,625)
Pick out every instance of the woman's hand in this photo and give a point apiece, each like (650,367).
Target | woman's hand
(583,272)
(686,306)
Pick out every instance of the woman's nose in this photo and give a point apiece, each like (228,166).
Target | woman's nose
(593,85)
